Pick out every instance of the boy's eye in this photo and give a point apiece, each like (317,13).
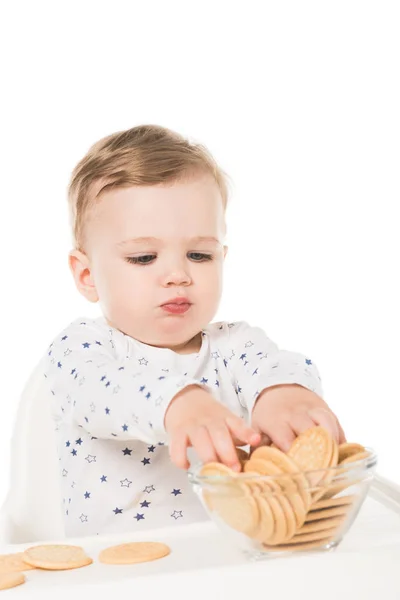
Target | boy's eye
(199,256)
(141,260)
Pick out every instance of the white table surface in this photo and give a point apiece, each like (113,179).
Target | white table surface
(203,564)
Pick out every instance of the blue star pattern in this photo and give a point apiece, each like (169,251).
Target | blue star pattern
(109,397)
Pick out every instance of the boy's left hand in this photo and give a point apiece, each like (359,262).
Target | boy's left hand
(282,412)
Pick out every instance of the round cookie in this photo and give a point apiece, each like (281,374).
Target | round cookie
(10,580)
(303,547)
(321,525)
(327,534)
(348,449)
(216,470)
(355,457)
(135,552)
(295,487)
(312,451)
(331,502)
(329,475)
(56,557)
(232,500)
(335,488)
(13,563)
(327,513)
(272,493)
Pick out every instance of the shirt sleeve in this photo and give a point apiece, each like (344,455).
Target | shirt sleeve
(256,363)
(94,384)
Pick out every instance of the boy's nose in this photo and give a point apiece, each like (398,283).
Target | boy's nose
(177,278)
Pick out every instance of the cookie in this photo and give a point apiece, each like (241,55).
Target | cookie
(327,534)
(132,553)
(347,449)
(331,502)
(327,513)
(321,525)
(355,457)
(295,486)
(328,475)
(232,500)
(301,547)
(10,580)
(56,557)
(13,563)
(312,451)
(216,471)
(335,488)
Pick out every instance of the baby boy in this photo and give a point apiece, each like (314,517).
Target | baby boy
(135,388)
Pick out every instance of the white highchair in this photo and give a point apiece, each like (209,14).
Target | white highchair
(33,508)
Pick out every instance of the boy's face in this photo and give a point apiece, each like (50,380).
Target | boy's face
(133,279)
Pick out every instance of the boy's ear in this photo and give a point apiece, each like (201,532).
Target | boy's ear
(81,271)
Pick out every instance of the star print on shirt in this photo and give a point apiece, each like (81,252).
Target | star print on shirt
(125,482)
(308,361)
(86,345)
(124,427)
(68,444)
(87,495)
(145,504)
(90,458)
(176,492)
(145,461)
(139,517)
(143,361)
(74,452)
(103,478)
(83,518)
(117,511)
(79,442)
(151,449)
(177,514)
(149,488)
(127,452)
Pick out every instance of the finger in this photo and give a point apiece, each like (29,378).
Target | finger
(300,422)
(223,443)
(342,435)
(241,431)
(265,440)
(178,449)
(203,445)
(325,418)
(282,436)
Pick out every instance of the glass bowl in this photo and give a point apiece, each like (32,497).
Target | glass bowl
(306,511)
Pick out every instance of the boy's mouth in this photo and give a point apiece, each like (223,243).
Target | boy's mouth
(176,306)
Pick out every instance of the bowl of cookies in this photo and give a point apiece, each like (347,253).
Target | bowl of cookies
(303,500)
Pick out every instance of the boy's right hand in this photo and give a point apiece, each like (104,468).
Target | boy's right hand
(195,418)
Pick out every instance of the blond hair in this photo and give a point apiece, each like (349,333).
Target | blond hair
(141,156)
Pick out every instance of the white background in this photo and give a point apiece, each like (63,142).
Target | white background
(298,102)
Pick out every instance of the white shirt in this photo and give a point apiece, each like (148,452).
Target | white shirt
(110,395)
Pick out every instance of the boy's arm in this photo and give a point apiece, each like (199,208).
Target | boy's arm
(257,363)
(105,393)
